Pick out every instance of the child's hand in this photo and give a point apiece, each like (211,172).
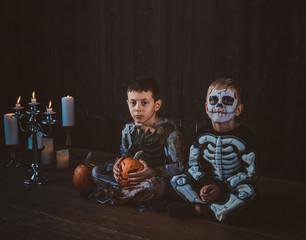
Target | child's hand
(116,170)
(137,177)
(210,192)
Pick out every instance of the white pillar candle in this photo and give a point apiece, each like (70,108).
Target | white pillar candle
(47,152)
(39,140)
(10,129)
(68,111)
(62,159)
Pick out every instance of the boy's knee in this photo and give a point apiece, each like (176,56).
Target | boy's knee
(96,171)
(178,180)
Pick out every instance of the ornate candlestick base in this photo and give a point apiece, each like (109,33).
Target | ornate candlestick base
(35,178)
(13,163)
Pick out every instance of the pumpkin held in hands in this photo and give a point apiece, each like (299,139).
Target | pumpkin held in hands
(129,165)
(82,177)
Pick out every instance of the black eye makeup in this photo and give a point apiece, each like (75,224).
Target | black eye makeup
(227,100)
(213,100)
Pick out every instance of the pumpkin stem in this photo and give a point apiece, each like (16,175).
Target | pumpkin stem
(136,156)
(88,159)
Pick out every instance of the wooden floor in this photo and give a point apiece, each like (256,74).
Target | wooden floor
(55,211)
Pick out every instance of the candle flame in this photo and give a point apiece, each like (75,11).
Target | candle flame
(50,104)
(18,100)
(33,95)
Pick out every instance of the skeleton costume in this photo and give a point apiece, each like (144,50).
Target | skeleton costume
(228,160)
(164,151)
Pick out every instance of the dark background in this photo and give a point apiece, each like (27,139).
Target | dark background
(92,49)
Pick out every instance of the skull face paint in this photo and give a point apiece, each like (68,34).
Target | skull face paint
(221,105)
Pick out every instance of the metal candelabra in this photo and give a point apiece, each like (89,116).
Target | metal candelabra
(33,126)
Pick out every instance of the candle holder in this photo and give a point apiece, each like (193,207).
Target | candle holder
(68,144)
(68,138)
(13,162)
(33,126)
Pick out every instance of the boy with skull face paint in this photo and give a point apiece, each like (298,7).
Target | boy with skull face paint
(222,167)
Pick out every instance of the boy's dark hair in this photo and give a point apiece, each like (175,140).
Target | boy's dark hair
(145,84)
(227,83)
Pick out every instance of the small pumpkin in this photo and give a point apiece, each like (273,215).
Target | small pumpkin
(82,177)
(129,165)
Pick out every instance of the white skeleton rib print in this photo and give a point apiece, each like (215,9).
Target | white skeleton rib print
(225,154)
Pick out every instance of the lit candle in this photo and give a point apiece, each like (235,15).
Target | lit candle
(10,129)
(62,159)
(68,111)
(47,152)
(33,99)
(18,102)
(49,110)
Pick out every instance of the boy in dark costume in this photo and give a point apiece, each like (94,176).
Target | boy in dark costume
(223,160)
(163,146)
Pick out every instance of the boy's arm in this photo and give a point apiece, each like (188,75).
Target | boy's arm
(250,157)
(249,175)
(177,150)
(125,142)
(195,168)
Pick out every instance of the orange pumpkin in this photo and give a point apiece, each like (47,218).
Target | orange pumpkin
(129,165)
(82,177)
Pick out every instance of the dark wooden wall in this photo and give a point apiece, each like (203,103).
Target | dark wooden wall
(92,49)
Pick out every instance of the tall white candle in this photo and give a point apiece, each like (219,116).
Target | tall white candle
(10,129)
(68,111)
(62,159)
(47,152)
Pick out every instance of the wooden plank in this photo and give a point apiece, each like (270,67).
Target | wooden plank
(160,49)
(173,72)
(142,28)
(122,27)
(185,95)
(65,40)
(204,48)
(87,57)
(36,224)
